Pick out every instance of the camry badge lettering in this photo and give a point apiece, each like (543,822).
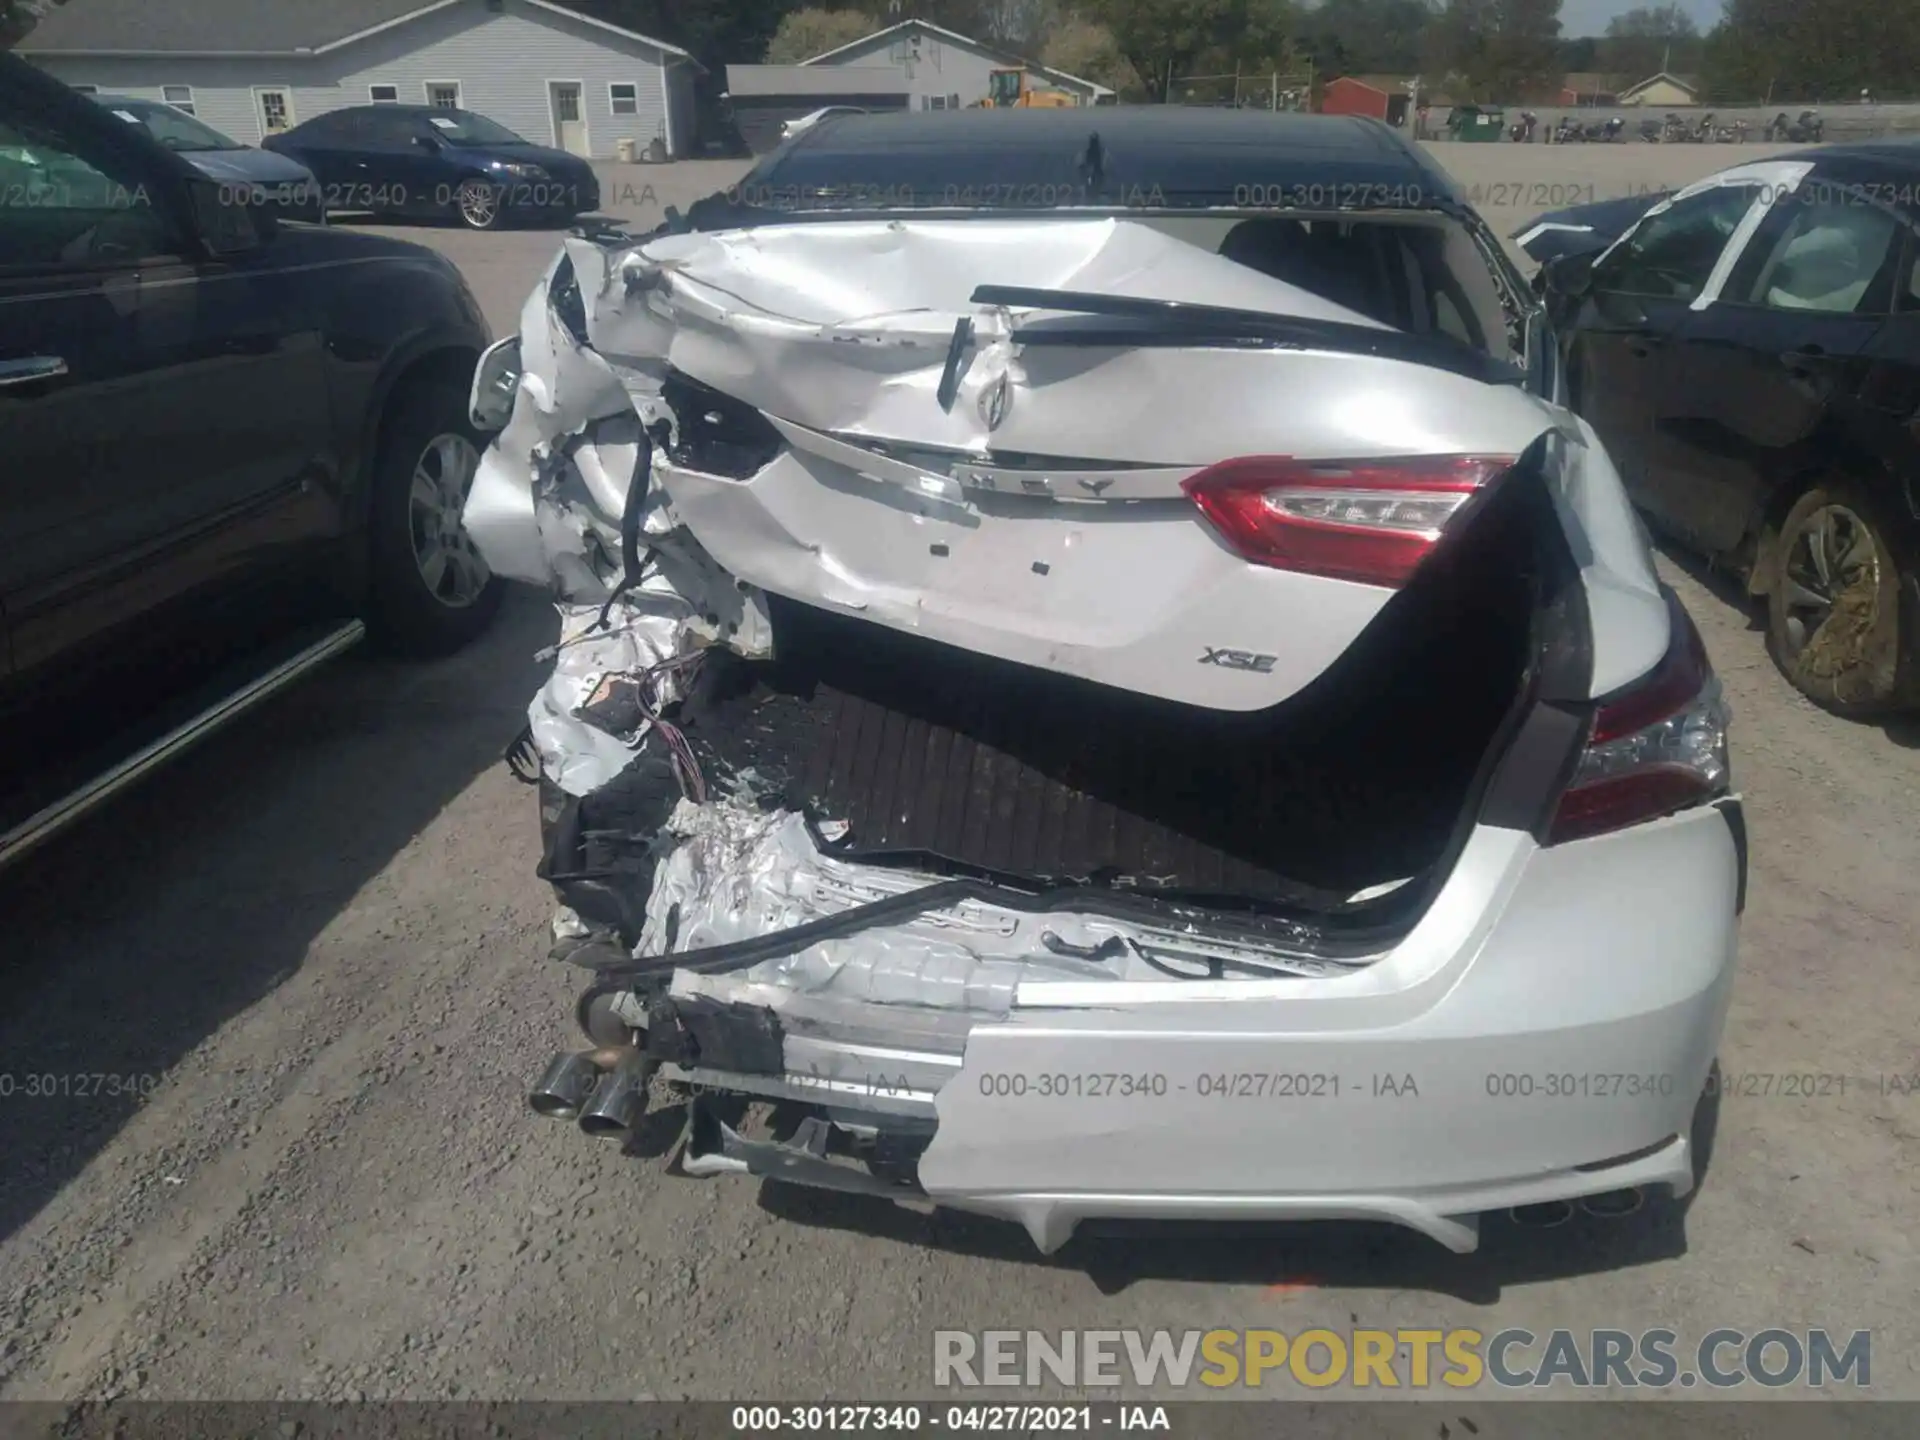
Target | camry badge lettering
(1239,660)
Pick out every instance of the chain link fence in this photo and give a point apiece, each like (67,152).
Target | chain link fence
(1246,90)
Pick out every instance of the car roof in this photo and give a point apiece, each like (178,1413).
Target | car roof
(1192,155)
(1865,161)
(1890,150)
(391,108)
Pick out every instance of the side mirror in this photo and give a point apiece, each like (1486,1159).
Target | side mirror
(226,219)
(1569,275)
(428,143)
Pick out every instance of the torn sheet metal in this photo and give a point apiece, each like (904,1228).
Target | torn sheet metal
(742,872)
(923,463)
(578,750)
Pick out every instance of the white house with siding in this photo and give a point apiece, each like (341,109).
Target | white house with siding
(254,67)
(948,71)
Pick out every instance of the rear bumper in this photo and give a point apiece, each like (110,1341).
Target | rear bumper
(1545,1033)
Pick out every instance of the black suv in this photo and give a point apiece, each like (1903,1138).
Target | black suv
(229,448)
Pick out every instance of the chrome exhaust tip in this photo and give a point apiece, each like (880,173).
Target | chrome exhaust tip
(1544,1216)
(565,1086)
(618,1101)
(1615,1204)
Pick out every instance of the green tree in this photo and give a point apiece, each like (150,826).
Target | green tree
(1580,53)
(1366,37)
(1007,23)
(1813,50)
(1083,48)
(1497,50)
(1649,39)
(1162,38)
(714,32)
(807,33)
(17,17)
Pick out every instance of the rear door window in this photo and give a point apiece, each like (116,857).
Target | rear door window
(1833,256)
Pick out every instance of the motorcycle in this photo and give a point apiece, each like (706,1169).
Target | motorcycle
(1674,131)
(1650,130)
(1733,134)
(1521,131)
(1611,131)
(1702,131)
(1806,130)
(1567,131)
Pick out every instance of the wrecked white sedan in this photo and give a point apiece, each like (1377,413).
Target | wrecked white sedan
(1141,709)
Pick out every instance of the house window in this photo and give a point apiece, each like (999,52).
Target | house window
(276,110)
(178,96)
(444,94)
(384,94)
(624,98)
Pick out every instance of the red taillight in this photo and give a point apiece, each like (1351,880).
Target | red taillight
(1372,521)
(1655,749)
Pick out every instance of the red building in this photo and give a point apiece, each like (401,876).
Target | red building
(1380,97)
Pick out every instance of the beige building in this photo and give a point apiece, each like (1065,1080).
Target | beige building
(1663,91)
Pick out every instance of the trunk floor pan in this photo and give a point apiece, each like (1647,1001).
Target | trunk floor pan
(930,753)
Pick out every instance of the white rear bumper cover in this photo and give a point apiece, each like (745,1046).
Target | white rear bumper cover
(1534,1039)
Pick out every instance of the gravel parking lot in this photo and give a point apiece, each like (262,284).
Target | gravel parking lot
(319,941)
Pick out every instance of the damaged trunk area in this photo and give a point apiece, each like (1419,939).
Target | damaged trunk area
(958,616)
(918,757)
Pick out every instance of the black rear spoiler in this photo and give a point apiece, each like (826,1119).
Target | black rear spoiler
(1175,322)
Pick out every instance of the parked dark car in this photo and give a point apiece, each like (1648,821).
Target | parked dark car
(276,181)
(430,163)
(228,449)
(1749,350)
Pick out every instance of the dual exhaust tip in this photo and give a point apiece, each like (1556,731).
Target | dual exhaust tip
(1610,1205)
(605,1091)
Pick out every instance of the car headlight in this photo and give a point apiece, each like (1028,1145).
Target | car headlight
(517,171)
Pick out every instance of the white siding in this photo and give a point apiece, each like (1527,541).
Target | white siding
(503,62)
(943,67)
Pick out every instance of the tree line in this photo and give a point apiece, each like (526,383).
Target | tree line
(1773,50)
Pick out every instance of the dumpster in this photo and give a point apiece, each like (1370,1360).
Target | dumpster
(1483,123)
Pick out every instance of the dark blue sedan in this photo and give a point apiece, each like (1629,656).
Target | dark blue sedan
(431,162)
(278,183)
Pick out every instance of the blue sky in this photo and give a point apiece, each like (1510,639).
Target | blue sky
(1590,17)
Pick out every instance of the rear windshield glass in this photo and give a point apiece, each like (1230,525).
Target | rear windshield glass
(172,128)
(463,127)
(977,159)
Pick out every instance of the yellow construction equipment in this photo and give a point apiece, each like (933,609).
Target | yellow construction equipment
(1014,89)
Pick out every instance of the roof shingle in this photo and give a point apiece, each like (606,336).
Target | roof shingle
(208,27)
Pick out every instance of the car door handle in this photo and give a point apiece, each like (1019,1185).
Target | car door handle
(33,368)
(1801,359)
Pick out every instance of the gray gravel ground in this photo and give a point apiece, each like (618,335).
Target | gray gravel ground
(322,938)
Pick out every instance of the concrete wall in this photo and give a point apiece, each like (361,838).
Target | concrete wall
(502,62)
